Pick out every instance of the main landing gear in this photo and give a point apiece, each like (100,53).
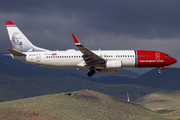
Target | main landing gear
(91,72)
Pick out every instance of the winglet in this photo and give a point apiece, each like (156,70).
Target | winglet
(76,41)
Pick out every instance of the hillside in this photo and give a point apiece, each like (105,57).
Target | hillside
(168,79)
(12,88)
(82,105)
(166,103)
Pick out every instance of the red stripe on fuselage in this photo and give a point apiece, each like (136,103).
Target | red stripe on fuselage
(147,58)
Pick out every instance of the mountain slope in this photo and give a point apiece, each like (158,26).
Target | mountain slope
(12,88)
(83,105)
(168,79)
(166,103)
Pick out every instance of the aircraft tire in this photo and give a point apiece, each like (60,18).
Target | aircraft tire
(159,71)
(89,74)
(93,71)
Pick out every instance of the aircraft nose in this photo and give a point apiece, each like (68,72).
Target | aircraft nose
(173,60)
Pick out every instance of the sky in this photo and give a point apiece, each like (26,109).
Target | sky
(104,24)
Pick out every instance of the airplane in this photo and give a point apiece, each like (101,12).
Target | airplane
(104,61)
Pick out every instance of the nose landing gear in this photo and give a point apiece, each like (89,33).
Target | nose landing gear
(159,71)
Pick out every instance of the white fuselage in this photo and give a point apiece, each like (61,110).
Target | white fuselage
(73,59)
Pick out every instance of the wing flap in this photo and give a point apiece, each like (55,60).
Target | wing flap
(14,52)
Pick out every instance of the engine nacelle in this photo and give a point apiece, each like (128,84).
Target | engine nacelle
(113,64)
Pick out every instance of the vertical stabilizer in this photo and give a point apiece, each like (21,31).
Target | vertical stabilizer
(18,40)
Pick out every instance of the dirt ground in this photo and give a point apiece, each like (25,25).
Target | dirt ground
(23,114)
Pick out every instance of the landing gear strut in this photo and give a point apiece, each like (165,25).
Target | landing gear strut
(91,72)
(159,71)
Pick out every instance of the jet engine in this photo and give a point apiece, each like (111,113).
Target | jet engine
(113,64)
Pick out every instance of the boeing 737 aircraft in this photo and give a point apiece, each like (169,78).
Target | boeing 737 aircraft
(104,61)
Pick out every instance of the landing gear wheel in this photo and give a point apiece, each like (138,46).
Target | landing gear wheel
(91,72)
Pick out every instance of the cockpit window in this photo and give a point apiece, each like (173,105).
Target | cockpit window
(166,55)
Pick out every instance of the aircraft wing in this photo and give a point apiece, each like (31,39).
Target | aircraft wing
(89,57)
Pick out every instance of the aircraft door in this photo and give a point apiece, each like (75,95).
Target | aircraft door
(157,56)
(38,57)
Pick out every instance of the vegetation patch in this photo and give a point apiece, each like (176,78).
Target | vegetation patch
(164,111)
(22,114)
(86,95)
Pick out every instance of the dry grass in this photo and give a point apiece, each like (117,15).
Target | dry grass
(79,106)
(166,103)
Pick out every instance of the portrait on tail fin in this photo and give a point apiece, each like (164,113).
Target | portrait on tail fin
(19,41)
(16,42)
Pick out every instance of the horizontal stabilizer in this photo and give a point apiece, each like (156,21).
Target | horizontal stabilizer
(14,52)
(7,54)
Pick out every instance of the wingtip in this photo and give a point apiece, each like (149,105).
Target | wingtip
(76,41)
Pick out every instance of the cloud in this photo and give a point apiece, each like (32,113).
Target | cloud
(98,24)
